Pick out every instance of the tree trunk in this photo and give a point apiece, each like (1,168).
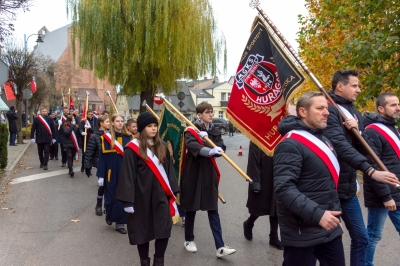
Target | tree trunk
(149,97)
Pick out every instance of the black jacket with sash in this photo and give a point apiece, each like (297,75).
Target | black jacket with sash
(375,193)
(348,149)
(41,132)
(139,187)
(199,182)
(304,188)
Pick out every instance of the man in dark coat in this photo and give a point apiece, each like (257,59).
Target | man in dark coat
(344,92)
(382,199)
(44,129)
(90,125)
(12,125)
(261,198)
(60,135)
(305,186)
(200,178)
(54,146)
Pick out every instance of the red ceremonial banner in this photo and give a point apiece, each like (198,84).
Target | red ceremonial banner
(265,82)
(33,84)
(71,103)
(8,88)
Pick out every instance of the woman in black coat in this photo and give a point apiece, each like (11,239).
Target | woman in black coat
(261,197)
(70,142)
(92,156)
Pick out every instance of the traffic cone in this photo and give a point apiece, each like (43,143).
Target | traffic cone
(240,151)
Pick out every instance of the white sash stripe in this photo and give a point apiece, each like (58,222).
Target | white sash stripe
(389,132)
(116,143)
(44,122)
(346,113)
(322,146)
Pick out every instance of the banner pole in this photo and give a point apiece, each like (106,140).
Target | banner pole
(156,116)
(113,104)
(206,139)
(87,105)
(255,4)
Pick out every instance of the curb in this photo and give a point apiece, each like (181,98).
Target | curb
(13,165)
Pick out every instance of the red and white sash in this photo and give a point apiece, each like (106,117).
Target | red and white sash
(75,141)
(390,137)
(320,149)
(117,146)
(63,118)
(44,123)
(214,162)
(158,170)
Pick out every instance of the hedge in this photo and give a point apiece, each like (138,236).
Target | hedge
(3,146)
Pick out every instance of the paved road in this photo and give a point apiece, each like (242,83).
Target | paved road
(37,228)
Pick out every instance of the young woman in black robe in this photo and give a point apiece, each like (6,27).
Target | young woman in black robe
(70,142)
(146,203)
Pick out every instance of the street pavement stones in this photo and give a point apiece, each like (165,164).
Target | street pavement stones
(51,221)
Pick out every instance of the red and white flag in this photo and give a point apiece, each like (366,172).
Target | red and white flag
(33,84)
(71,103)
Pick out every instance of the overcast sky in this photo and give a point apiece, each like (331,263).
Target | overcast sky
(234,19)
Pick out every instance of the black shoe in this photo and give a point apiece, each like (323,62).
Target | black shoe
(45,167)
(63,165)
(145,262)
(99,211)
(158,261)
(41,165)
(56,158)
(71,172)
(121,230)
(248,231)
(274,241)
(82,169)
(108,222)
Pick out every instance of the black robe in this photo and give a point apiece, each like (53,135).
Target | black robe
(260,169)
(199,183)
(138,187)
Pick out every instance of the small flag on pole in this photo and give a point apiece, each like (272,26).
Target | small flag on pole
(33,84)
(71,103)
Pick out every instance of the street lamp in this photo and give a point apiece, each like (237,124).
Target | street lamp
(39,39)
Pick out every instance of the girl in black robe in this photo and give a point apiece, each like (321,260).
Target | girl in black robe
(146,204)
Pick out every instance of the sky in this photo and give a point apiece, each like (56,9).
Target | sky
(234,18)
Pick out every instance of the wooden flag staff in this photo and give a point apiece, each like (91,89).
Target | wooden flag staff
(256,4)
(206,139)
(87,105)
(113,104)
(156,116)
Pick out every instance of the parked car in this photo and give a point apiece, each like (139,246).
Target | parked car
(221,124)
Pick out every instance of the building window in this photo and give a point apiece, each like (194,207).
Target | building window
(223,96)
(229,95)
(220,114)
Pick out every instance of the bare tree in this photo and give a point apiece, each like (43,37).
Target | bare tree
(8,13)
(64,76)
(22,67)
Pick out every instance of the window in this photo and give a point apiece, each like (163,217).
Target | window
(221,113)
(223,96)
(229,95)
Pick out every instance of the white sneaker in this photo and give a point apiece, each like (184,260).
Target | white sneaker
(190,246)
(225,251)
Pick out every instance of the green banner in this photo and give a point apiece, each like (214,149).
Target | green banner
(171,131)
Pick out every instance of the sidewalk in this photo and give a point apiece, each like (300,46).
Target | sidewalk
(15,155)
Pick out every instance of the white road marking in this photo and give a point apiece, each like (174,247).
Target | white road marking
(42,175)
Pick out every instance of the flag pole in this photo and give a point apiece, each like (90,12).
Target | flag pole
(148,108)
(162,96)
(86,110)
(62,109)
(256,4)
(109,95)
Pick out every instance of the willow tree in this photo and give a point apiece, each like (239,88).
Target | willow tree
(144,45)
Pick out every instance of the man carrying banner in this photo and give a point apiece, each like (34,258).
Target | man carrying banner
(344,92)
(60,137)
(200,178)
(382,199)
(306,175)
(44,129)
(89,123)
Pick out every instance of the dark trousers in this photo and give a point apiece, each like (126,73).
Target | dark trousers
(70,156)
(63,154)
(13,137)
(215,225)
(160,247)
(328,254)
(54,150)
(43,151)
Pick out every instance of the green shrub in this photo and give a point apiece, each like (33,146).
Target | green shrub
(3,145)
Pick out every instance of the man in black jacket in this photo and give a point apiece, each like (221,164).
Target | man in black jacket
(12,125)
(305,181)
(344,92)
(90,125)
(382,199)
(60,135)
(43,127)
